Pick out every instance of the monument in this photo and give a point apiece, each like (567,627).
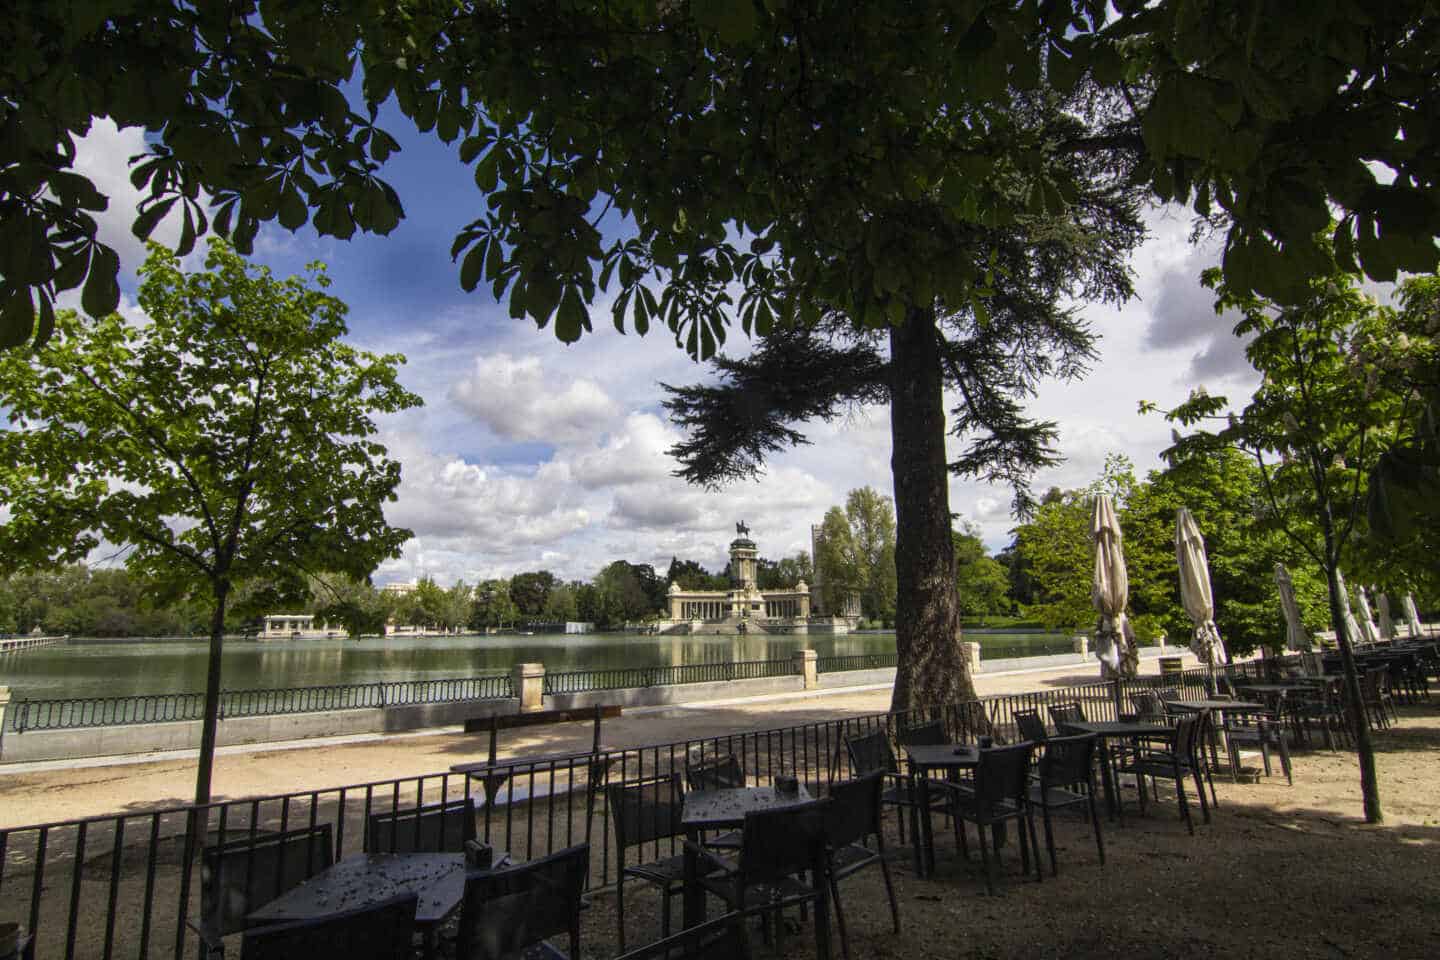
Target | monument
(744,608)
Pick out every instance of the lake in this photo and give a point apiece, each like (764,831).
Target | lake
(119,668)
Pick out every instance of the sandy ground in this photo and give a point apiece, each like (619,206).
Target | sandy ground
(42,793)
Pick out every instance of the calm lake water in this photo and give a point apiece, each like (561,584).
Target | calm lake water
(119,668)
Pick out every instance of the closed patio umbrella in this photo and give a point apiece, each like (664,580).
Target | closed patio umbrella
(1110,591)
(1195,592)
(1352,626)
(1367,622)
(1387,623)
(1295,636)
(1412,617)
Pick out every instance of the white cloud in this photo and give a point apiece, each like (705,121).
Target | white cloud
(514,398)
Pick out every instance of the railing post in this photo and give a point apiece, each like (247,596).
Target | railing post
(529,681)
(970,651)
(804,664)
(4,711)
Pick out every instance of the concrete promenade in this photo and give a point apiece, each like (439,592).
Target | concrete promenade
(67,789)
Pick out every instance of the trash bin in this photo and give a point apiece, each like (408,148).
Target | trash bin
(1171,666)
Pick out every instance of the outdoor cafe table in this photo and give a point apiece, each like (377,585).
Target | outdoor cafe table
(363,879)
(1107,730)
(722,809)
(923,758)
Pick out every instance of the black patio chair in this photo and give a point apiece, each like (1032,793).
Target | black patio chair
(434,828)
(778,848)
(381,931)
(871,754)
(717,773)
(1147,706)
(1000,793)
(720,939)
(647,811)
(1067,778)
(1176,763)
(517,909)
(851,818)
(1031,726)
(1262,732)
(243,874)
(1063,713)
(923,734)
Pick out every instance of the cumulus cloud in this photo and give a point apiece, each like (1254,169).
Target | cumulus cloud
(514,398)
(634,453)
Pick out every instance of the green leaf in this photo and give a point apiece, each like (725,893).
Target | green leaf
(571,320)
(293,212)
(102,289)
(17,316)
(150,216)
(473,266)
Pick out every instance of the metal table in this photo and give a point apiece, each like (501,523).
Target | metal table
(1107,730)
(723,809)
(923,758)
(363,879)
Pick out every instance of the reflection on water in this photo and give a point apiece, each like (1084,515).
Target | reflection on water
(82,669)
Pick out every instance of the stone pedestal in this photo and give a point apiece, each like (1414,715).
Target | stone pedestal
(529,682)
(1081,644)
(806,664)
(970,651)
(4,707)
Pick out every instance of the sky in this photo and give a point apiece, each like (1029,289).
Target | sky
(531,454)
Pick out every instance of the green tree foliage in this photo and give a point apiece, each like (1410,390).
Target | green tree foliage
(690,575)
(229,439)
(529,591)
(563,604)
(1314,429)
(785,573)
(96,602)
(628,592)
(353,604)
(491,606)
(857,553)
(983,582)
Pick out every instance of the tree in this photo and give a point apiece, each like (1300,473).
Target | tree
(627,592)
(227,440)
(529,591)
(785,573)
(980,579)
(353,604)
(857,553)
(1315,431)
(562,605)
(491,606)
(691,576)
(938,176)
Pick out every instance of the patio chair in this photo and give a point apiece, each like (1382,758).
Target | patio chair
(1176,764)
(1063,713)
(851,817)
(1031,726)
(505,912)
(647,811)
(1067,779)
(243,874)
(779,847)
(717,773)
(1000,793)
(923,734)
(434,828)
(381,931)
(1262,732)
(871,754)
(1374,697)
(1147,706)
(720,939)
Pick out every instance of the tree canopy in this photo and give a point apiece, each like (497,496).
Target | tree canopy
(228,440)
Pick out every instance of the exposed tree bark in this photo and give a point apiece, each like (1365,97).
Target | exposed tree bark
(931,671)
(212,695)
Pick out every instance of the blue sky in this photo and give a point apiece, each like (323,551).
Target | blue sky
(530,453)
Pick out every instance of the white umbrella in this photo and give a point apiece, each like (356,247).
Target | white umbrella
(1352,626)
(1195,592)
(1110,591)
(1295,636)
(1412,617)
(1387,624)
(1367,625)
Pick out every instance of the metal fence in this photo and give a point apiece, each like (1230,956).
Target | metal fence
(860,661)
(25,715)
(624,678)
(125,886)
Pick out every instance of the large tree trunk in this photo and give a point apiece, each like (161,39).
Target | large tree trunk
(931,671)
(1364,748)
(212,696)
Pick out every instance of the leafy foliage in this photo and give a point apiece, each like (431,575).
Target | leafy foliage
(857,554)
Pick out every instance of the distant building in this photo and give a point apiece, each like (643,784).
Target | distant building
(293,626)
(400,589)
(576,626)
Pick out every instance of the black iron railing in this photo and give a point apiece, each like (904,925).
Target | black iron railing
(124,886)
(858,661)
(159,708)
(625,678)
